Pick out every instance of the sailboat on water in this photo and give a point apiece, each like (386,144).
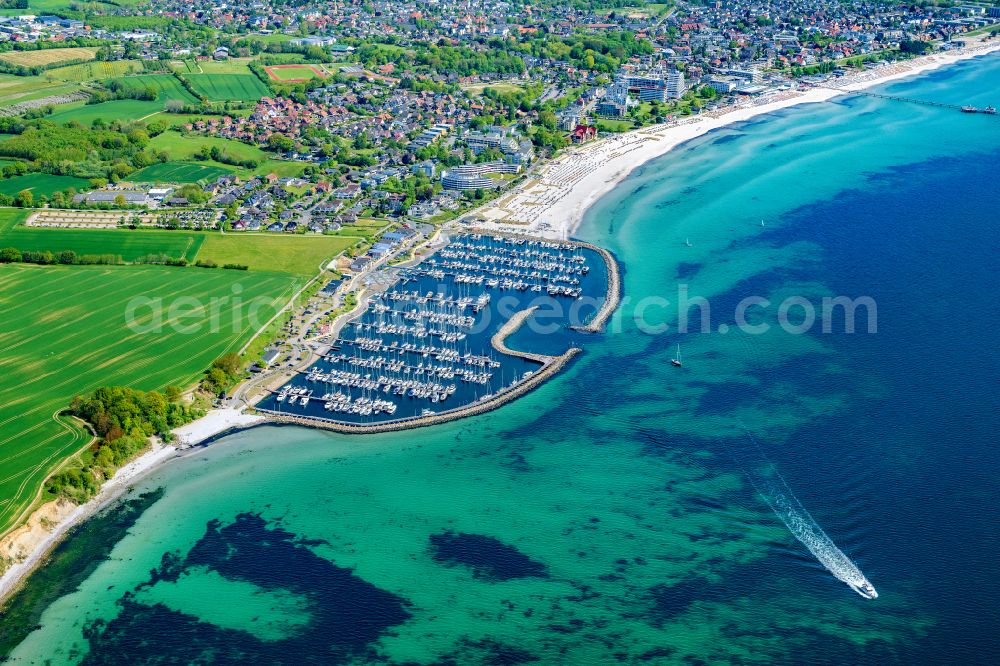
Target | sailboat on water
(676,360)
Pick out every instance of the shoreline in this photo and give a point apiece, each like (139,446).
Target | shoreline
(32,542)
(591,171)
(110,491)
(552,203)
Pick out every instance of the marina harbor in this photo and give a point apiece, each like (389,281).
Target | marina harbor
(432,341)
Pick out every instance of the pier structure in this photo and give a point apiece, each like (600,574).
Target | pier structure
(989,110)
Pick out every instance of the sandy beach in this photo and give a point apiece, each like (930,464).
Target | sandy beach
(553,200)
(27,546)
(214,423)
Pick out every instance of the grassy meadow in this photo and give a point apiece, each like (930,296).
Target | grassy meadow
(41,184)
(65,333)
(293,72)
(178,146)
(228,66)
(297,254)
(479,88)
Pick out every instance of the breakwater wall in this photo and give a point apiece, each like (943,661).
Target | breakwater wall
(550,366)
(499,400)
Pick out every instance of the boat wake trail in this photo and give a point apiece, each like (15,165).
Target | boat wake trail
(771,486)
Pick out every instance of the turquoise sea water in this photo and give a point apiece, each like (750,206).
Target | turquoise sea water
(607,517)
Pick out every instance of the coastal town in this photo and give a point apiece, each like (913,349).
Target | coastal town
(423,112)
(350,215)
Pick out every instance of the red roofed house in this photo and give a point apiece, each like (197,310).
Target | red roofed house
(583,133)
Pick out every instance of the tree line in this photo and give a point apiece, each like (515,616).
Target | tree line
(12,255)
(123,419)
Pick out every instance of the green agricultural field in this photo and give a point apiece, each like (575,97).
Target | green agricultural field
(41,184)
(301,255)
(119,109)
(93,71)
(17,89)
(183,66)
(48,57)
(178,172)
(65,332)
(129,243)
(226,87)
(166,85)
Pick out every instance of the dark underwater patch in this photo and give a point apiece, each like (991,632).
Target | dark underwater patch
(670,601)
(487,652)
(489,558)
(667,203)
(687,270)
(348,614)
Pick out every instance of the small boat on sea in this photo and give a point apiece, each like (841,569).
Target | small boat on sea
(969,109)
(990,110)
(676,360)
